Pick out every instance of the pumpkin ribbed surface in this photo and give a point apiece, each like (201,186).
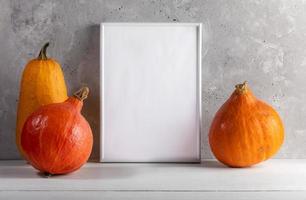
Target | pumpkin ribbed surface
(245,130)
(56,138)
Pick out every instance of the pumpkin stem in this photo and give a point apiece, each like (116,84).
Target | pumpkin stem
(43,52)
(241,88)
(82,93)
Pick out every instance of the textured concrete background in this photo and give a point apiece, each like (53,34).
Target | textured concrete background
(262,41)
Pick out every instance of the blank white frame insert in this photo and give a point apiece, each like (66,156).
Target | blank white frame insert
(150,92)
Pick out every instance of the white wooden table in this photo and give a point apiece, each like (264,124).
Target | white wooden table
(274,179)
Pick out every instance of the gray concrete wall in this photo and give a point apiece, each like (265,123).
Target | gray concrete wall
(262,41)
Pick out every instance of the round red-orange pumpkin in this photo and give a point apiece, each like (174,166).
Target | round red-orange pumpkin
(56,138)
(245,130)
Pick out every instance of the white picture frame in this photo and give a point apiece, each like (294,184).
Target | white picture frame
(150,92)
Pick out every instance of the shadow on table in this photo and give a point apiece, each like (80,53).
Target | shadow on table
(20,170)
(216,164)
(111,172)
(212,164)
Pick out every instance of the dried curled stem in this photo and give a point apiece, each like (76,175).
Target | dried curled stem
(82,93)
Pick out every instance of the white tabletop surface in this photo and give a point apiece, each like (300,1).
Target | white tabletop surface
(279,179)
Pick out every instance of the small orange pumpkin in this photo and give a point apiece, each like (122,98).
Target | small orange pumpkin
(56,138)
(245,130)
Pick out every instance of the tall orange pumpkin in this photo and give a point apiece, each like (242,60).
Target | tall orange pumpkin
(245,130)
(42,83)
(56,138)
